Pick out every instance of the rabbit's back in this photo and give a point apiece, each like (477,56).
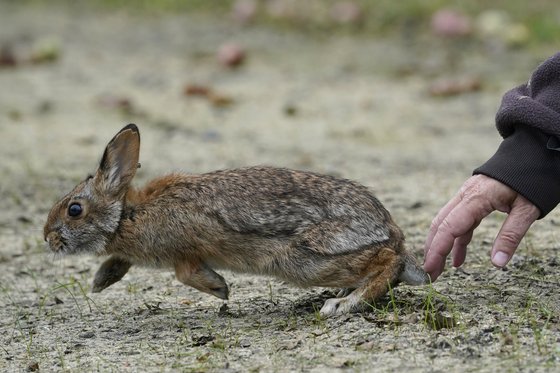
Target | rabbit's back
(337,215)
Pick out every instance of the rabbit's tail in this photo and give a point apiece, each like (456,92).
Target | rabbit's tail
(413,274)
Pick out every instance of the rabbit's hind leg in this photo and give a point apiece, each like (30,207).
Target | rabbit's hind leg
(344,292)
(382,272)
(202,278)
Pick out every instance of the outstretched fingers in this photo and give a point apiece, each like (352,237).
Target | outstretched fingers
(437,221)
(520,218)
(453,227)
(459,250)
(455,230)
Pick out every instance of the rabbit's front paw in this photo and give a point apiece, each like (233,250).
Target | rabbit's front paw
(221,292)
(111,271)
(203,278)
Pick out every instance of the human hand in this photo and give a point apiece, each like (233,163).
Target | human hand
(453,227)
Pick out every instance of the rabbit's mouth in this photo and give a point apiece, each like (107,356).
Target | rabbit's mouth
(55,242)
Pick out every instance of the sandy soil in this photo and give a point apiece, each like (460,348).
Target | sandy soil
(338,104)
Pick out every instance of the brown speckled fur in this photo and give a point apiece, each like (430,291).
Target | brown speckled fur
(302,227)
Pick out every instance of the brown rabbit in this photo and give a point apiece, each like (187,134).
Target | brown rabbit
(302,227)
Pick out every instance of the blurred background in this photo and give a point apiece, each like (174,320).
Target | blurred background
(398,95)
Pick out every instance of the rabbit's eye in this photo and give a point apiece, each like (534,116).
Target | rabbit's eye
(75,209)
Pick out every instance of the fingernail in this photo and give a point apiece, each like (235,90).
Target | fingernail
(500,259)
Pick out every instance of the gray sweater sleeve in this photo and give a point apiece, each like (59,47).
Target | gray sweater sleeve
(528,160)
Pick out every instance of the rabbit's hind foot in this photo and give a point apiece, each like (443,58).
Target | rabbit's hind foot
(383,272)
(344,292)
(338,306)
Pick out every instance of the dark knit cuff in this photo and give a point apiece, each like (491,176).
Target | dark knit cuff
(528,161)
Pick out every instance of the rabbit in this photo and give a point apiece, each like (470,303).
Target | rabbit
(302,227)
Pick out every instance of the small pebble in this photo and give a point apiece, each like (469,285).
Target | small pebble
(57,300)
(87,335)
(290,110)
(245,343)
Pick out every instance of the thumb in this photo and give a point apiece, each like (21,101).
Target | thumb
(522,215)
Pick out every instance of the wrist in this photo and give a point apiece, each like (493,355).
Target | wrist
(527,163)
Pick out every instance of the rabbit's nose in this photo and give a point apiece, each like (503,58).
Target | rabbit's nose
(49,237)
(54,241)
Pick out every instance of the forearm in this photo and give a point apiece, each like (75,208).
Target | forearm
(535,104)
(528,160)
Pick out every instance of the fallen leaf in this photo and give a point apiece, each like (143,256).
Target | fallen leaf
(7,56)
(346,12)
(451,23)
(215,98)
(197,90)
(220,100)
(231,55)
(453,87)
(119,103)
(244,11)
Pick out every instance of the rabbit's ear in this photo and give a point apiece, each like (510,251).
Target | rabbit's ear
(120,161)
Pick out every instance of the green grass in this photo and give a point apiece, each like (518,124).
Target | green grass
(537,316)
(142,6)
(77,293)
(439,311)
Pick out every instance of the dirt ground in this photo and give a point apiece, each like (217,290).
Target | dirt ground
(346,105)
